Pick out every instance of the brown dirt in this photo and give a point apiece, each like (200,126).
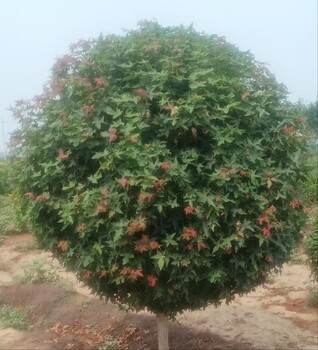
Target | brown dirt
(66,316)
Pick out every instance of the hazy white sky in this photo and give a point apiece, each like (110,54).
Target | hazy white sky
(33,33)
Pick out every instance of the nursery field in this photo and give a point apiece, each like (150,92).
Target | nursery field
(44,307)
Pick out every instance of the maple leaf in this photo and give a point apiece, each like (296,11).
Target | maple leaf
(87,274)
(267,231)
(269,259)
(271,210)
(296,203)
(159,185)
(142,93)
(153,46)
(224,174)
(102,273)
(112,135)
(194,132)
(189,233)
(243,173)
(81,227)
(101,82)
(141,248)
(63,245)
(104,191)
(263,219)
(190,246)
(152,280)
(136,225)
(174,110)
(218,199)
(154,245)
(165,165)
(189,210)
(145,239)
(133,274)
(44,197)
(30,195)
(228,250)
(201,245)
(123,182)
(146,197)
(289,130)
(61,155)
(88,109)
(101,207)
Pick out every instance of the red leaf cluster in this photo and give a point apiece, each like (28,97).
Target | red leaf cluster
(165,165)
(189,210)
(101,207)
(112,135)
(133,274)
(189,233)
(137,225)
(61,155)
(146,197)
(296,203)
(63,245)
(123,182)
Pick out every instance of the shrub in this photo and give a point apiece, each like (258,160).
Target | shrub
(312,250)
(163,167)
(3,178)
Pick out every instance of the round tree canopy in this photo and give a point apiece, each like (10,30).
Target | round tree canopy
(162,167)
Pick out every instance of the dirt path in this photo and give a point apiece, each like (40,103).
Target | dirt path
(65,316)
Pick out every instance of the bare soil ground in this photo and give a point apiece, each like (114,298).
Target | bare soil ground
(65,315)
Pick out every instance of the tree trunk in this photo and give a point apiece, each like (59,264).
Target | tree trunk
(163,332)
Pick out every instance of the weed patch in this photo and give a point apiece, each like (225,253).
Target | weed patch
(14,318)
(37,272)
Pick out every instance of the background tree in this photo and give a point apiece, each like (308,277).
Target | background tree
(163,167)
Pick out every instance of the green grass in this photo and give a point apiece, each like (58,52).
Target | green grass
(14,318)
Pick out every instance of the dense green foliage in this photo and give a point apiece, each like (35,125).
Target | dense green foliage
(312,250)
(3,178)
(310,112)
(164,167)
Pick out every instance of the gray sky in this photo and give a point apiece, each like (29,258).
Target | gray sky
(33,33)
